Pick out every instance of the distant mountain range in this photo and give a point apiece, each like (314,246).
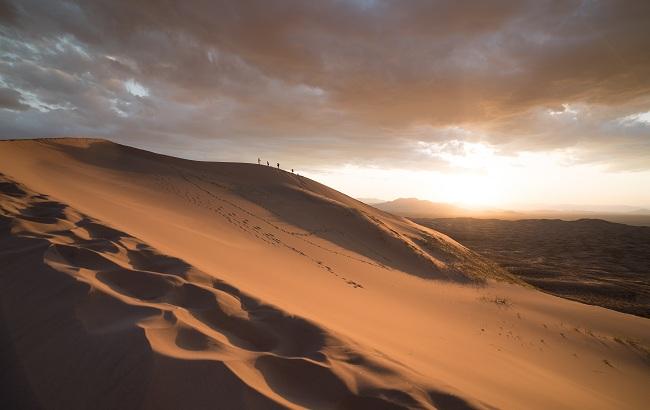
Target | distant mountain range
(420,208)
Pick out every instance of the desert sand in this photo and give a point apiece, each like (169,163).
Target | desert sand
(589,260)
(134,280)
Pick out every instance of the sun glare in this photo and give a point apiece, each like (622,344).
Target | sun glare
(471,191)
(490,180)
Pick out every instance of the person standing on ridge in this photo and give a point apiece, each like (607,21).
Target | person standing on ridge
(267,164)
(278,165)
(259,162)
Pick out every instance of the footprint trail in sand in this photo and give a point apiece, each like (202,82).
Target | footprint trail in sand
(237,349)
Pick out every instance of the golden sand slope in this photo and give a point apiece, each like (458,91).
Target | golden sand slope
(291,295)
(85,297)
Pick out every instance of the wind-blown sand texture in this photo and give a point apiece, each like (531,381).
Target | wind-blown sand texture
(135,280)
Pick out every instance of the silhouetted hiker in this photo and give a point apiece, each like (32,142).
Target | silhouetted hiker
(267,164)
(259,162)
(292,170)
(278,165)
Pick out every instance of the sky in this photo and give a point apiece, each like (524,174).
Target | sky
(502,103)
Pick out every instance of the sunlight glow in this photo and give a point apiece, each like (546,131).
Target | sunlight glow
(461,154)
(135,88)
(482,179)
(639,118)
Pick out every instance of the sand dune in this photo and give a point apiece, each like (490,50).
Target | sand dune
(135,280)
(105,288)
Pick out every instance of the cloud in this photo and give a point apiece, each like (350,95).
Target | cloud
(10,100)
(347,81)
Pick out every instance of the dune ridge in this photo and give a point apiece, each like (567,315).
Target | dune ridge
(402,314)
(357,229)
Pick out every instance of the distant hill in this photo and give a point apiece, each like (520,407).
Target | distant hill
(629,218)
(419,208)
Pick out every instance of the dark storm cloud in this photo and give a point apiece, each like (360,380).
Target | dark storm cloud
(352,80)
